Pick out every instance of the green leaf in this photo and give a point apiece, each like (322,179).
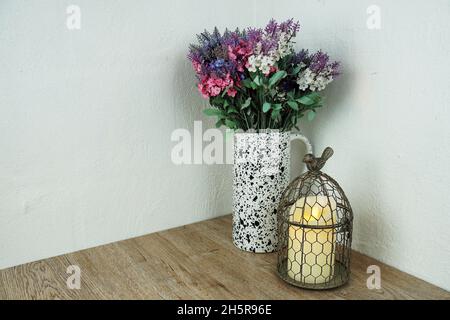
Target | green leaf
(266,107)
(307,101)
(296,70)
(232,110)
(219,123)
(311,115)
(247,83)
(290,95)
(277,106)
(277,76)
(246,104)
(275,114)
(230,124)
(213,112)
(257,80)
(310,99)
(215,101)
(293,105)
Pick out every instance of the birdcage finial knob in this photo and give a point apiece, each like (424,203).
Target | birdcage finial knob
(316,163)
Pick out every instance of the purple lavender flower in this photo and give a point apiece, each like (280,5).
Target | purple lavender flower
(290,27)
(335,69)
(254,35)
(319,61)
(271,28)
(300,57)
(269,38)
(319,72)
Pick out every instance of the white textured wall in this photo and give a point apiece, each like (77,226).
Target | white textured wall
(86,118)
(388,119)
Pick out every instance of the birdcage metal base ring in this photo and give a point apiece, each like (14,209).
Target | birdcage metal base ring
(340,277)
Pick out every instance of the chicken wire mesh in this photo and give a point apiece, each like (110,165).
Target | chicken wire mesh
(314,229)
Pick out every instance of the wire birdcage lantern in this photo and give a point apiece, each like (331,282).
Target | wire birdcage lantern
(315,223)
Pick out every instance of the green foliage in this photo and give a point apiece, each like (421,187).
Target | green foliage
(277,76)
(311,115)
(312,99)
(246,104)
(213,112)
(293,105)
(262,103)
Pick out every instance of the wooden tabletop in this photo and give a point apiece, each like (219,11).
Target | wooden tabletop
(196,261)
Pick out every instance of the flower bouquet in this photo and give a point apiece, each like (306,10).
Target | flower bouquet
(254,79)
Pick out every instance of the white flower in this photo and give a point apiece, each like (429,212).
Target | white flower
(314,82)
(305,79)
(284,46)
(265,62)
(260,62)
(253,63)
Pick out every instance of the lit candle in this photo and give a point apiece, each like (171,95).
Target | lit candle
(311,252)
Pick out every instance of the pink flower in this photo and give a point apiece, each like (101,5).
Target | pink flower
(231,92)
(231,55)
(212,86)
(215,91)
(197,66)
(219,82)
(240,53)
(202,90)
(228,80)
(211,82)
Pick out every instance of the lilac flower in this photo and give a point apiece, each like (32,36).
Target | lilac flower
(335,69)
(319,61)
(254,35)
(318,72)
(300,57)
(271,28)
(290,27)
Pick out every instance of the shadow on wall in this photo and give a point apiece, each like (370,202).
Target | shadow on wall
(339,92)
(366,202)
(186,101)
(336,98)
(298,151)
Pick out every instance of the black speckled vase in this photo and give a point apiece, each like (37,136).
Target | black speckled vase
(261,173)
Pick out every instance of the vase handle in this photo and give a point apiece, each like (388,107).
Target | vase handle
(304,139)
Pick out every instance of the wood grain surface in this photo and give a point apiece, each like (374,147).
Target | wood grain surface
(196,261)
